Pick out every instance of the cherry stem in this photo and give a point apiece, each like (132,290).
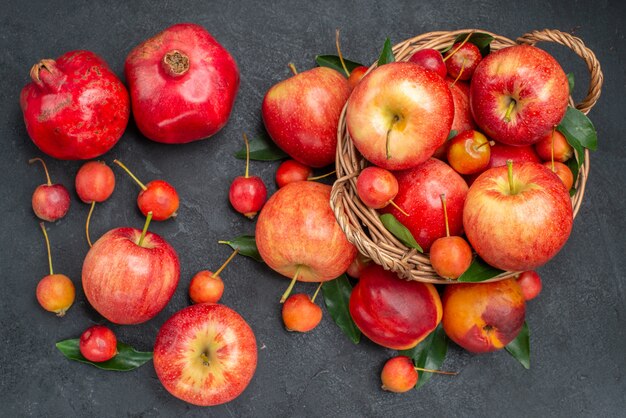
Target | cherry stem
(322,176)
(460,72)
(482,145)
(316,292)
(507,115)
(245,139)
(445,213)
(343,63)
(459,47)
(552,149)
(228,260)
(145,228)
(392,203)
(45,235)
(143,186)
(32,160)
(292,67)
(509,166)
(436,371)
(291,285)
(93,205)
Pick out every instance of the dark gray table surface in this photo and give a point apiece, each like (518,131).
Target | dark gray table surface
(577,324)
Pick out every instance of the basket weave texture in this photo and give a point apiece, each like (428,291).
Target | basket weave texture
(361,224)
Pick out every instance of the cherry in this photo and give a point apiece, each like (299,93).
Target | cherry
(400,375)
(450,256)
(377,187)
(55,292)
(247,193)
(356,268)
(469,152)
(431,59)
(300,313)
(290,171)
(98,343)
(94,182)
(462,60)
(530,282)
(158,197)
(354,76)
(562,171)
(208,287)
(554,146)
(50,201)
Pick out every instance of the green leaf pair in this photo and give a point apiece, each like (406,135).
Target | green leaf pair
(428,354)
(262,148)
(126,359)
(246,244)
(337,299)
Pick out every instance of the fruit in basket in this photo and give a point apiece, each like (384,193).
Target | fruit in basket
(418,195)
(94,182)
(300,313)
(554,144)
(205,354)
(75,108)
(463,119)
(462,60)
(183,84)
(399,114)
(50,201)
(247,194)
(301,114)
(98,343)
(290,171)
(431,59)
(562,171)
(208,287)
(392,312)
(517,217)
(501,153)
(469,152)
(358,265)
(298,236)
(376,187)
(130,275)
(530,283)
(483,317)
(399,375)
(356,75)
(518,94)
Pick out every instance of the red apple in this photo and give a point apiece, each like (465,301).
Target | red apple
(399,114)
(430,59)
(301,114)
(419,195)
(520,224)
(129,280)
(205,354)
(463,119)
(518,94)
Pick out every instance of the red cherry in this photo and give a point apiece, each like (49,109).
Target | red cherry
(469,152)
(50,201)
(562,171)
(399,375)
(462,59)
(98,343)
(158,197)
(300,313)
(431,59)
(94,182)
(356,75)
(208,287)
(530,282)
(247,193)
(554,143)
(377,188)
(291,171)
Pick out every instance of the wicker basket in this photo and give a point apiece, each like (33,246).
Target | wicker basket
(362,225)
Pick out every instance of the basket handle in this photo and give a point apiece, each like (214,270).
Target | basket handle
(577,45)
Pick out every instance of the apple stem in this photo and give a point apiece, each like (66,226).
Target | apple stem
(291,285)
(93,205)
(316,292)
(45,235)
(507,115)
(322,176)
(245,139)
(459,47)
(445,213)
(45,169)
(292,67)
(509,166)
(145,228)
(228,260)
(436,371)
(460,72)
(392,203)
(552,149)
(143,186)
(387,143)
(204,358)
(343,63)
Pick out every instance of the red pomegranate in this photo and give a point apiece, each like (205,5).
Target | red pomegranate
(75,108)
(182,83)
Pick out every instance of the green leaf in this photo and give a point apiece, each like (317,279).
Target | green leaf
(579,132)
(452,134)
(337,299)
(127,358)
(429,354)
(333,61)
(574,167)
(399,231)
(246,245)
(479,271)
(481,40)
(570,81)
(520,347)
(386,56)
(262,148)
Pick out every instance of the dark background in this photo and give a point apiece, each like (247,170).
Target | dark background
(577,324)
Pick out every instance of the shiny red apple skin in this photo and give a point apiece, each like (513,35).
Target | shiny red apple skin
(431,59)
(403,105)
(501,153)
(463,119)
(178,108)
(126,283)
(392,312)
(533,79)
(297,231)
(228,343)
(301,114)
(521,231)
(464,61)
(419,195)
